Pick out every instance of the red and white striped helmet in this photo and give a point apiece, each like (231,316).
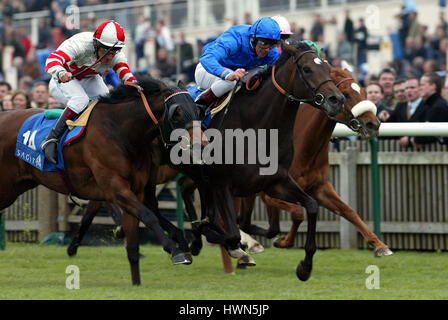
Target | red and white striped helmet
(283,23)
(110,33)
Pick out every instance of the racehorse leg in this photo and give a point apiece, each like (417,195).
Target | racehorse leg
(296,211)
(226,206)
(119,192)
(245,216)
(289,191)
(327,197)
(187,187)
(173,232)
(91,210)
(130,226)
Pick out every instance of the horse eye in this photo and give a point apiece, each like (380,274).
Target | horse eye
(346,96)
(307,69)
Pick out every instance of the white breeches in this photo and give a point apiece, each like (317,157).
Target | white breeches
(206,80)
(76,94)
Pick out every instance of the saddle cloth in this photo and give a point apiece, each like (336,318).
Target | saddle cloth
(36,128)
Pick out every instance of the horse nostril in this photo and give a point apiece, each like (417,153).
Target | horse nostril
(373,125)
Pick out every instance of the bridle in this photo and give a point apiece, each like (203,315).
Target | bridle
(353,123)
(168,126)
(167,107)
(318,98)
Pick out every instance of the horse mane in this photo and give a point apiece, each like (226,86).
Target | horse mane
(288,51)
(340,73)
(124,92)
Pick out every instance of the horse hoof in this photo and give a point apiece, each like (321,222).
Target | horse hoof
(302,273)
(256,248)
(385,251)
(71,251)
(281,243)
(246,261)
(181,258)
(195,250)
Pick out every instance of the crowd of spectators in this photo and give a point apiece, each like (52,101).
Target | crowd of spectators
(411,87)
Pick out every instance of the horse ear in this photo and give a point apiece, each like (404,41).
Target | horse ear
(181,85)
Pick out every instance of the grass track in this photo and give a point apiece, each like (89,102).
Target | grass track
(32,271)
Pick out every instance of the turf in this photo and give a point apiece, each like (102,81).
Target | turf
(33,271)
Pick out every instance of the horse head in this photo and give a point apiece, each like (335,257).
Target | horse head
(181,112)
(314,85)
(359,114)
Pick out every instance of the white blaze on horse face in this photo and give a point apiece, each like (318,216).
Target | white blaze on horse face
(317,61)
(356,87)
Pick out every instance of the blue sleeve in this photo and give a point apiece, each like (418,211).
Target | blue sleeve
(112,79)
(273,55)
(216,53)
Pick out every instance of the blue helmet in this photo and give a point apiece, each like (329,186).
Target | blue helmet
(266,28)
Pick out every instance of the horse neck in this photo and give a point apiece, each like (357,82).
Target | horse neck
(133,122)
(316,127)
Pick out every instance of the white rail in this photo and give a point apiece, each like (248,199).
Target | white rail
(399,129)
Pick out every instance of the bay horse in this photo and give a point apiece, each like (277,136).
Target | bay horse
(298,76)
(310,167)
(113,160)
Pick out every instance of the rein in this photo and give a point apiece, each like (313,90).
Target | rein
(145,101)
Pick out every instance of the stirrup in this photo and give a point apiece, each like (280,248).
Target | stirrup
(46,142)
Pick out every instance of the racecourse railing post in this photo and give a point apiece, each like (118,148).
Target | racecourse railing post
(2,231)
(180,205)
(348,233)
(375,187)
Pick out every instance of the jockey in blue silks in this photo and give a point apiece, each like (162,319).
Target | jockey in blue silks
(225,60)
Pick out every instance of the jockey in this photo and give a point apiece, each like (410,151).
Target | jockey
(284,27)
(225,60)
(93,53)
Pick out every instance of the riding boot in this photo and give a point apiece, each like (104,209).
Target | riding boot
(206,98)
(51,142)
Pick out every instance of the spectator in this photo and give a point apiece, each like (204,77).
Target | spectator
(436,108)
(39,95)
(409,111)
(400,90)
(25,83)
(349,28)
(164,64)
(20,100)
(317,30)
(186,56)
(53,103)
(5,88)
(386,79)
(345,50)
(7,102)
(375,94)
(361,35)
(163,37)
(142,33)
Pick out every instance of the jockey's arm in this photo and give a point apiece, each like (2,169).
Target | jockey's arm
(122,69)
(217,53)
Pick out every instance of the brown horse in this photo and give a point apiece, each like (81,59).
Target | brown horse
(113,160)
(311,169)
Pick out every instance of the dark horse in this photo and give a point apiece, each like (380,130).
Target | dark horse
(302,74)
(298,76)
(113,160)
(311,169)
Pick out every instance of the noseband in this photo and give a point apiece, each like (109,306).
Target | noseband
(318,98)
(353,122)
